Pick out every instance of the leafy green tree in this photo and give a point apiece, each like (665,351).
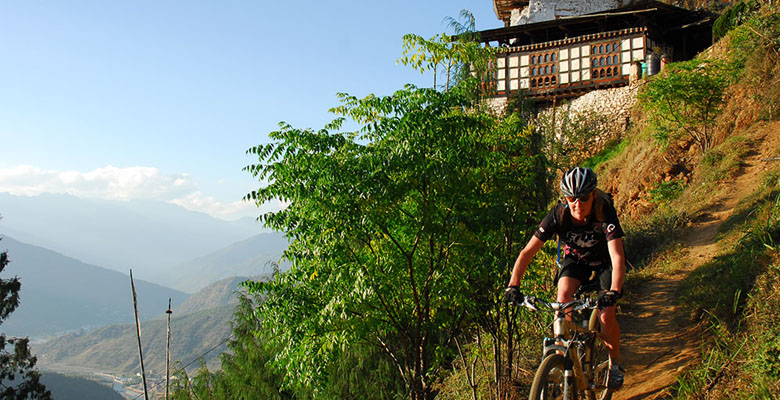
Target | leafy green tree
(456,56)
(18,377)
(400,232)
(361,372)
(243,373)
(686,99)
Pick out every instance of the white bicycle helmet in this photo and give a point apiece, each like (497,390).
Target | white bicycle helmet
(578,181)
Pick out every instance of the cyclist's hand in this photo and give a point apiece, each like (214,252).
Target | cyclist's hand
(608,298)
(513,295)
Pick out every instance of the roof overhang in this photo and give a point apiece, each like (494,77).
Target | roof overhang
(652,14)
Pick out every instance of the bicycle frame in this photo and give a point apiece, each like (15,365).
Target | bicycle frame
(573,341)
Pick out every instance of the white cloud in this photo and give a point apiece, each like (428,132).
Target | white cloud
(229,211)
(131,183)
(109,182)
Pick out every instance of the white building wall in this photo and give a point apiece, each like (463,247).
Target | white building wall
(546,10)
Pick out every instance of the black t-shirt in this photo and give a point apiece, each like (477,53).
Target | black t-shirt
(586,243)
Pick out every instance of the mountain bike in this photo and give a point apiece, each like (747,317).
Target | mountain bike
(575,362)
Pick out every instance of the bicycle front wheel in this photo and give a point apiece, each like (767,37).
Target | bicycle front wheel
(597,366)
(549,381)
(600,360)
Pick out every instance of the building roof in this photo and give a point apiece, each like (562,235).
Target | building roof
(652,14)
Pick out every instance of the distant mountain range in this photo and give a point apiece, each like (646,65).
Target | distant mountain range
(200,324)
(143,235)
(250,257)
(61,294)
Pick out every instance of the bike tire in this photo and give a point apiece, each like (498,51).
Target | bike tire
(599,363)
(549,380)
(601,370)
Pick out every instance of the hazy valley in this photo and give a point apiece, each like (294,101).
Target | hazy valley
(80,314)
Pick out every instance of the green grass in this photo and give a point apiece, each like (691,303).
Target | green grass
(725,160)
(651,236)
(668,260)
(736,296)
(611,149)
(665,192)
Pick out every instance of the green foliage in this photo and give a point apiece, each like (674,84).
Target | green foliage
(611,149)
(686,99)
(18,377)
(568,137)
(243,372)
(737,295)
(733,17)
(456,55)
(756,53)
(649,236)
(521,104)
(664,192)
(399,231)
(363,372)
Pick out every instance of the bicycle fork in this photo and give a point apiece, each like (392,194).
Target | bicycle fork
(572,357)
(568,379)
(573,370)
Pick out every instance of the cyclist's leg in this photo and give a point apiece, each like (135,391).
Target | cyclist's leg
(567,286)
(570,277)
(610,331)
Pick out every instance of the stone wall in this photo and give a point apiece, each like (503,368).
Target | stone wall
(497,104)
(610,107)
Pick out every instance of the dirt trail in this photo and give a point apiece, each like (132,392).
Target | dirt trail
(657,343)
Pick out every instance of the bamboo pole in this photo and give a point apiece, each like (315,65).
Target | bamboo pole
(138,327)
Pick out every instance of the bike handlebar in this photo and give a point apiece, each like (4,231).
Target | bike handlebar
(533,303)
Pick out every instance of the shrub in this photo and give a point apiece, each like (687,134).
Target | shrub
(665,192)
(686,100)
(733,17)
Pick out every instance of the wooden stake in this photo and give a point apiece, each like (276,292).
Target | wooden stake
(168,351)
(138,326)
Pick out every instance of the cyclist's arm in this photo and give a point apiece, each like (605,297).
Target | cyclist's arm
(618,257)
(524,259)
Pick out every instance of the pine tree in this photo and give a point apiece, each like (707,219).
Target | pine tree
(18,377)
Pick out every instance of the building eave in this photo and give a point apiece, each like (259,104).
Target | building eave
(638,14)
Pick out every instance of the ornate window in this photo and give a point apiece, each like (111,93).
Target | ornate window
(605,60)
(543,69)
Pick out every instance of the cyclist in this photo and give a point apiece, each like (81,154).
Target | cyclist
(592,242)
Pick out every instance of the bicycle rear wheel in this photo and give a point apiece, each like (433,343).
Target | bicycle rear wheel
(549,380)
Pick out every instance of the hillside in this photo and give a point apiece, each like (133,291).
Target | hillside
(220,293)
(198,324)
(142,235)
(114,349)
(659,338)
(60,293)
(698,315)
(250,257)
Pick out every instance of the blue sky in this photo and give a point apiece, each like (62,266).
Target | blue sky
(160,99)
